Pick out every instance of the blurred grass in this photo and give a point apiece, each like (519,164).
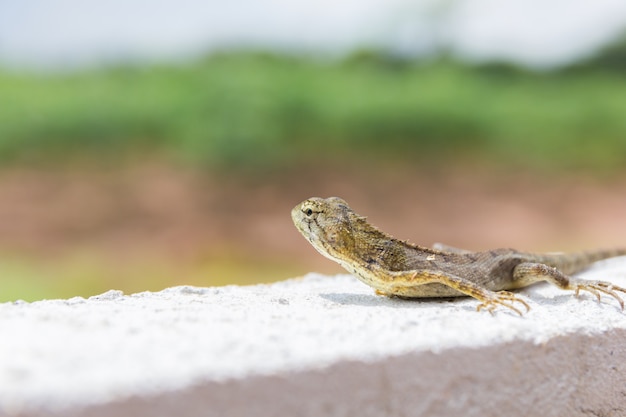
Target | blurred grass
(28,279)
(254,111)
(257,113)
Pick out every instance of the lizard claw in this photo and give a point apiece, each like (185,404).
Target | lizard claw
(597,287)
(504,299)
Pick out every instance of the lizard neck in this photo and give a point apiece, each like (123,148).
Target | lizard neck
(368,247)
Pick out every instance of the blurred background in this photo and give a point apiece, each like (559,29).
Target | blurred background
(146,144)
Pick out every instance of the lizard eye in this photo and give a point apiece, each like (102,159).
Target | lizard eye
(308,210)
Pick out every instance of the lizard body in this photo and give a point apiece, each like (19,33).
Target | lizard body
(398,268)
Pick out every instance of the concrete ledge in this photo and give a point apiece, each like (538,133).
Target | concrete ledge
(311,347)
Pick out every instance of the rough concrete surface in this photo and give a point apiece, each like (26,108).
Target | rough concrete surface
(314,346)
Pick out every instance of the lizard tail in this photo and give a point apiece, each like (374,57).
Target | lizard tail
(570,263)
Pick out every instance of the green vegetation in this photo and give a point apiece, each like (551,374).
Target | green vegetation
(256,113)
(253,110)
(31,279)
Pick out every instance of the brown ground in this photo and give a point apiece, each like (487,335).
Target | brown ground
(207,228)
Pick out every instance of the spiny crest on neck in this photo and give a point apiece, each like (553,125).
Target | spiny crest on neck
(373,231)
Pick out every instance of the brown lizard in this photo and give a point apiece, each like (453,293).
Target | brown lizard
(398,268)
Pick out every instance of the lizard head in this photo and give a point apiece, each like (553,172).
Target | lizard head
(328,224)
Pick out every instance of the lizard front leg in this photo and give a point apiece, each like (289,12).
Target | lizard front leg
(527,273)
(489,299)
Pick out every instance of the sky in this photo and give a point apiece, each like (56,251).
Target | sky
(70,33)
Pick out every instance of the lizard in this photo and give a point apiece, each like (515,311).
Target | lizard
(397,268)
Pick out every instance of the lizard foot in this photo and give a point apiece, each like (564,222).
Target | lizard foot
(598,287)
(504,299)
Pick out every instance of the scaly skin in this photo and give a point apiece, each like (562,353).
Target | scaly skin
(398,268)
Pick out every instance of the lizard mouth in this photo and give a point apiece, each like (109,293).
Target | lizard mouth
(307,226)
(297,217)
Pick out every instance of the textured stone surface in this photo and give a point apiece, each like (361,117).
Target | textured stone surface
(313,346)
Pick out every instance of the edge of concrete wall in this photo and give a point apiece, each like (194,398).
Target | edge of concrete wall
(313,346)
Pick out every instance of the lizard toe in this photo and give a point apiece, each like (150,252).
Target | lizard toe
(504,299)
(598,287)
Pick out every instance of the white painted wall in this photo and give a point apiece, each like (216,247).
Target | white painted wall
(309,347)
